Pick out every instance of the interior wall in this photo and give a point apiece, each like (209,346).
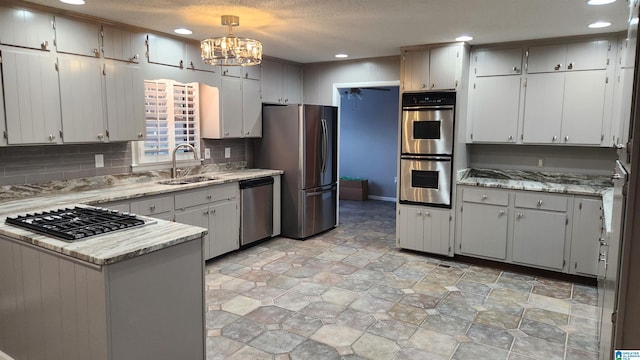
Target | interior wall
(369,138)
(318,78)
(578,160)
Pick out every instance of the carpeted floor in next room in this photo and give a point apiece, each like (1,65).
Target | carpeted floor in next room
(351,294)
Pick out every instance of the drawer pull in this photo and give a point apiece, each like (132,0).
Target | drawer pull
(426,213)
(419,212)
(484,196)
(500,212)
(209,197)
(152,207)
(539,203)
(520,215)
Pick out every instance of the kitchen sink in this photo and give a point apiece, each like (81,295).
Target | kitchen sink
(188,180)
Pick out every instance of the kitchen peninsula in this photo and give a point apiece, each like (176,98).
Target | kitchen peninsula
(131,294)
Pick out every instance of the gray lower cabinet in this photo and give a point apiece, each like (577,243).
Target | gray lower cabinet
(585,236)
(550,231)
(146,307)
(214,208)
(424,229)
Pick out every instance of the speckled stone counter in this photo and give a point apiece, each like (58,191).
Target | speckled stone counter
(117,246)
(575,184)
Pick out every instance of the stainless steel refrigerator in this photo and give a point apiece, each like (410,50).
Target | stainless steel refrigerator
(302,141)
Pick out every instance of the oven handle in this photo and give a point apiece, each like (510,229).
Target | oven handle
(419,108)
(425,158)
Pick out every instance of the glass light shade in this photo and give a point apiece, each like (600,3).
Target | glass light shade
(231,51)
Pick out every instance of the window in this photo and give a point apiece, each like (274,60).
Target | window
(171,117)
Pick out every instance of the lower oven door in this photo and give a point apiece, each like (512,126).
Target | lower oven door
(426,180)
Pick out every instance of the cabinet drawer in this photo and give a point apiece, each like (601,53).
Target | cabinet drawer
(486,196)
(541,201)
(152,206)
(207,195)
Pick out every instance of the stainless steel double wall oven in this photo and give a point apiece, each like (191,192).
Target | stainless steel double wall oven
(426,155)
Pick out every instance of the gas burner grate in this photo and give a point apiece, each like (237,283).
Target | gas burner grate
(76,223)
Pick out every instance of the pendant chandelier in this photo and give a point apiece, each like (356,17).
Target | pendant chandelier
(231,50)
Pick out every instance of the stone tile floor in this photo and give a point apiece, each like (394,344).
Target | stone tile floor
(351,294)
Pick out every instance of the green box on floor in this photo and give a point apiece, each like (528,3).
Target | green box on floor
(354,189)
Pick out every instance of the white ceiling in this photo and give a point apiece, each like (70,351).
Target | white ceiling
(314,30)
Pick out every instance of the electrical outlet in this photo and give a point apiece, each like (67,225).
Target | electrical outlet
(207,153)
(540,163)
(227,153)
(99,160)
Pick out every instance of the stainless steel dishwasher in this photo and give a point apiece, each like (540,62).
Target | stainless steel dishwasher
(256,207)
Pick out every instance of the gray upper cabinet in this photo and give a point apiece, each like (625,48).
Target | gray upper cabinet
(414,70)
(124,89)
(585,55)
(281,82)
(26,28)
(81,99)
(252,72)
(31,97)
(194,60)
(76,37)
(444,67)
(232,71)
(497,62)
(494,109)
(119,44)
(166,51)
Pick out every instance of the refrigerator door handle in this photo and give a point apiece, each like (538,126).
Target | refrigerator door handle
(325,145)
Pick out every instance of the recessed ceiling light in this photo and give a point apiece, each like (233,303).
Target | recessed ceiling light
(183,31)
(599,24)
(73,2)
(464,38)
(600,2)
(341,56)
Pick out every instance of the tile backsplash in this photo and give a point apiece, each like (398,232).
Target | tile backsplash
(40,164)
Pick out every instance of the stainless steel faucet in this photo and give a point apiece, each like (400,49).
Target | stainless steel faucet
(173,158)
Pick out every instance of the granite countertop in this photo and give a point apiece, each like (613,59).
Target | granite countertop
(575,184)
(117,246)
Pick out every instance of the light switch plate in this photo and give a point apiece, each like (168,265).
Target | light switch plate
(207,153)
(227,153)
(99,160)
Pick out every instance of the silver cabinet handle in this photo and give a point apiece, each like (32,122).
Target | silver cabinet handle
(209,197)
(140,135)
(419,212)
(510,137)
(100,136)
(500,212)
(619,146)
(52,137)
(554,139)
(152,207)
(570,66)
(426,213)
(44,45)
(484,196)
(616,176)
(96,52)
(520,215)
(557,67)
(515,68)
(539,203)
(566,138)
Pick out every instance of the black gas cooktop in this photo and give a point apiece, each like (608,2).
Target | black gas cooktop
(76,223)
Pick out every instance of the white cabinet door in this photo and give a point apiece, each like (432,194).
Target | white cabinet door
(292,84)
(272,82)
(253,72)
(119,44)
(484,230)
(544,95)
(491,62)
(495,109)
(194,60)
(232,71)
(548,58)
(165,51)
(31,97)
(437,237)
(251,108)
(583,108)
(76,37)
(622,106)
(588,55)
(224,227)
(410,228)
(231,107)
(585,236)
(26,28)
(415,70)
(539,238)
(198,216)
(124,88)
(443,67)
(81,99)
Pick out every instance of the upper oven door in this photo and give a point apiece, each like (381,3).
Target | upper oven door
(427,130)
